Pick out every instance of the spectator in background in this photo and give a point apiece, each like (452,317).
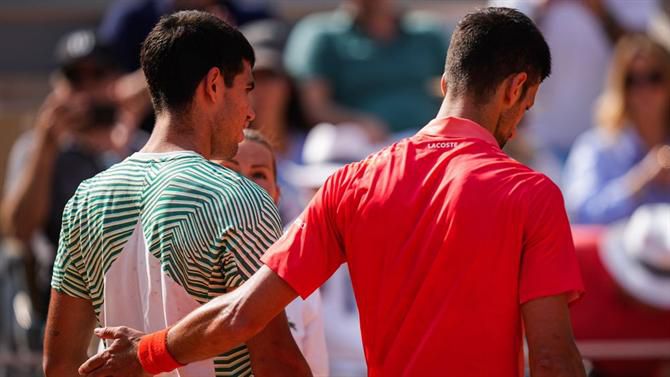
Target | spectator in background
(368,63)
(581,35)
(255,160)
(279,114)
(76,135)
(625,161)
(623,324)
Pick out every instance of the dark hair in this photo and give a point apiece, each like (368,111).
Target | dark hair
(182,48)
(257,137)
(491,44)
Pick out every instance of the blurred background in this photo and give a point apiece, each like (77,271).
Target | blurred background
(335,81)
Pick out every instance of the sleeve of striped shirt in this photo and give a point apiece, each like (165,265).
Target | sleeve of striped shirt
(259,227)
(68,271)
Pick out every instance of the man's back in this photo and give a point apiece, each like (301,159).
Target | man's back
(445,237)
(158,235)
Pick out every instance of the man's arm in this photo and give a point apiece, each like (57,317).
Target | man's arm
(26,205)
(217,326)
(551,346)
(68,333)
(273,351)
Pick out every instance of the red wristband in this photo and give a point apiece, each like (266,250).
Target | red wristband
(154,355)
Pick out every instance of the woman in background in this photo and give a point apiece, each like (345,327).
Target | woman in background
(624,161)
(255,160)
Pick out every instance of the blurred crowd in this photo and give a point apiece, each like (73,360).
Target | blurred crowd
(339,85)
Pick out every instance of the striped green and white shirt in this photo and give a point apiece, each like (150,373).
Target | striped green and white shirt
(159,234)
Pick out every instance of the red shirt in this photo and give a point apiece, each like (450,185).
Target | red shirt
(445,236)
(621,336)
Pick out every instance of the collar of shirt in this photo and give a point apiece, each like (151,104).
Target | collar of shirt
(458,127)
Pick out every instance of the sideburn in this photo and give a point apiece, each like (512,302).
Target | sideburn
(504,116)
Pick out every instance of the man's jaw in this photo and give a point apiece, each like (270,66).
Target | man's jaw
(241,135)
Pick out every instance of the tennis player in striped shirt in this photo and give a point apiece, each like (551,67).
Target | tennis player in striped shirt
(163,232)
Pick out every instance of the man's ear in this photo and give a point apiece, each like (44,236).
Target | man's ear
(212,84)
(443,84)
(514,86)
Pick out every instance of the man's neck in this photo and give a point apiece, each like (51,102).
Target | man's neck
(173,134)
(468,109)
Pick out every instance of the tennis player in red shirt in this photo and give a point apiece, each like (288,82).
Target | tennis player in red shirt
(453,247)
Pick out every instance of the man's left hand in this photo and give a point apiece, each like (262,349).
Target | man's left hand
(119,359)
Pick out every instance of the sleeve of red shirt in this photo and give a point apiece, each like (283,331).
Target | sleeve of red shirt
(549,264)
(311,250)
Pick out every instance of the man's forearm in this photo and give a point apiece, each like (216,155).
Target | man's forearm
(25,209)
(230,319)
(551,346)
(275,353)
(67,335)
(57,368)
(210,330)
(236,318)
(552,366)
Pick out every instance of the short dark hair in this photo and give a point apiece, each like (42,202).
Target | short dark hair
(491,44)
(182,48)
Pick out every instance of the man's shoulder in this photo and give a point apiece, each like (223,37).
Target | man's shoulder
(364,173)
(219,180)
(241,200)
(526,178)
(373,162)
(125,173)
(534,188)
(198,171)
(384,159)
(541,184)
(122,178)
(493,167)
